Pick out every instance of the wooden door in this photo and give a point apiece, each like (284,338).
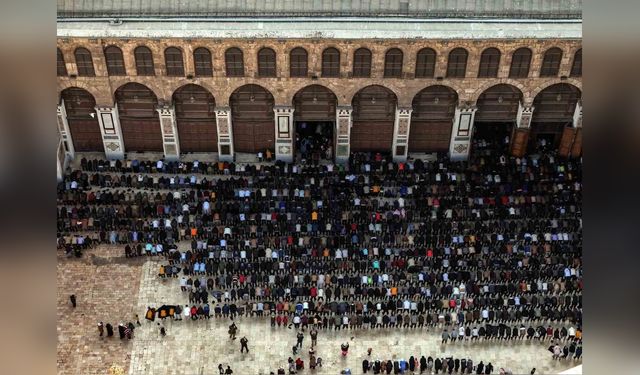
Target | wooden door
(374,136)
(519,141)
(566,142)
(576,150)
(197,135)
(141,134)
(430,136)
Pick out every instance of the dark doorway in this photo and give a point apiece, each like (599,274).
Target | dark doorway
(314,116)
(314,140)
(495,119)
(491,137)
(554,109)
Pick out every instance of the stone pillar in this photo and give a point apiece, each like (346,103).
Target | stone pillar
(170,141)
(577,115)
(225,134)
(343,133)
(63,129)
(111,132)
(523,119)
(401,134)
(285,132)
(461,133)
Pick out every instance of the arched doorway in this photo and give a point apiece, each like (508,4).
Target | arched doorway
(139,120)
(496,117)
(314,117)
(253,119)
(83,123)
(432,118)
(554,108)
(196,119)
(374,112)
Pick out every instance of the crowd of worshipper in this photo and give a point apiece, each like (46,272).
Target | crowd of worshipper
(428,365)
(493,242)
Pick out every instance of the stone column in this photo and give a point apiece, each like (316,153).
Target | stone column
(523,119)
(225,134)
(284,132)
(343,133)
(461,133)
(170,141)
(577,115)
(401,134)
(111,132)
(63,129)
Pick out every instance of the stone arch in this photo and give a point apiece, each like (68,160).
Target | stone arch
(432,118)
(499,103)
(570,81)
(252,118)
(494,82)
(324,110)
(195,118)
(553,114)
(139,120)
(374,112)
(82,120)
(66,84)
(152,84)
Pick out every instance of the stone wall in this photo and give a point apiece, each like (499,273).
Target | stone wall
(284,88)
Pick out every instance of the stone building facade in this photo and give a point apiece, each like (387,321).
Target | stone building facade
(403,88)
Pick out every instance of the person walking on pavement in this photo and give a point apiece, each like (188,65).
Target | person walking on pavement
(314,337)
(101,328)
(73,300)
(243,344)
(233,329)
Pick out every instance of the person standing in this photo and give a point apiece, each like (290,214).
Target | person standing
(73,300)
(121,330)
(101,328)
(232,331)
(109,330)
(243,344)
(300,337)
(220,369)
(228,370)
(445,336)
(314,337)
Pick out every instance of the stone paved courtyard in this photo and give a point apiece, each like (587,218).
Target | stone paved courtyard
(111,288)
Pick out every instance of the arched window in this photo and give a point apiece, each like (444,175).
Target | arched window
(576,68)
(489,63)
(425,63)
(393,63)
(235,62)
(331,62)
(266,62)
(298,62)
(551,62)
(144,61)
(520,62)
(174,62)
(62,67)
(457,64)
(362,63)
(202,62)
(84,62)
(115,61)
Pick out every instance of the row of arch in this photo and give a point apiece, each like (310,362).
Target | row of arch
(299,67)
(373,117)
